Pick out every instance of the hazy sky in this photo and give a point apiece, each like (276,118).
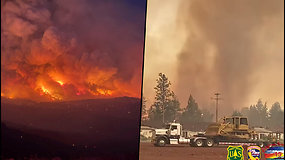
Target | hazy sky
(233,47)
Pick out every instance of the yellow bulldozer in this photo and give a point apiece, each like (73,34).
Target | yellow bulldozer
(232,130)
(234,126)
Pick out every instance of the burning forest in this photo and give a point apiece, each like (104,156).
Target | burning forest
(71,69)
(66,50)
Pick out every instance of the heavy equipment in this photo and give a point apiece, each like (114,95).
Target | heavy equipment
(233,130)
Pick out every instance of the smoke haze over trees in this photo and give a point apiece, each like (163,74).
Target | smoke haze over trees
(192,116)
(166,107)
(260,116)
(233,47)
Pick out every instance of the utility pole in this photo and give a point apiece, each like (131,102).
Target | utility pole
(217,98)
(163,103)
(163,113)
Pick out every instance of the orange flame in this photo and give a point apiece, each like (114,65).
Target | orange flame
(50,94)
(60,82)
(100,91)
(104,91)
(56,86)
(46,91)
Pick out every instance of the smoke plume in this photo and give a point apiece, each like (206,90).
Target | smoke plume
(230,47)
(70,49)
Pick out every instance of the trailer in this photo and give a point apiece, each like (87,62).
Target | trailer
(232,130)
(210,141)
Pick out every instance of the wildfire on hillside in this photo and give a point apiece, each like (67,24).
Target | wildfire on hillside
(49,52)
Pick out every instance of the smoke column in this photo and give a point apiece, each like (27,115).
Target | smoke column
(230,47)
(70,49)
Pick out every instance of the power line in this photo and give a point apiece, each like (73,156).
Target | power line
(217,98)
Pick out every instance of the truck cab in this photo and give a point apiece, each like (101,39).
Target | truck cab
(171,134)
(174,129)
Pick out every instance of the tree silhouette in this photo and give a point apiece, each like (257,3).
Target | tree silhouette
(191,113)
(165,107)
(144,110)
(276,116)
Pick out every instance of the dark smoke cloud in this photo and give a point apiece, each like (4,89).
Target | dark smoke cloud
(225,49)
(89,45)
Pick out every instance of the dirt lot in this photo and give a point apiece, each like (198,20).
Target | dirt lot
(182,152)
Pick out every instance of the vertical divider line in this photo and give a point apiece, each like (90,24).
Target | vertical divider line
(140,115)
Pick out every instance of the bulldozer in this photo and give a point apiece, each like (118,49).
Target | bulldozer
(231,130)
(233,127)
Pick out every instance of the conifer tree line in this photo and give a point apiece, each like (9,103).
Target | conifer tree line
(166,108)
(260,116)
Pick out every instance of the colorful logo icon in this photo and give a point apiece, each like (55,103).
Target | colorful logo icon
(253,153)
(274,153)
(235,153)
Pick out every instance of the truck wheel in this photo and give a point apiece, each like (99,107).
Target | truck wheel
(161,142)
(210,143)
(199,143)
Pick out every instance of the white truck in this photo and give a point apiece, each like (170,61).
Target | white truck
(171,134)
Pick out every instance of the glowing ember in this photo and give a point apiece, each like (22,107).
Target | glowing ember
(60,82)
(46,91)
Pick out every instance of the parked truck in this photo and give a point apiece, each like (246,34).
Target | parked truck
(172,133)
(232,130)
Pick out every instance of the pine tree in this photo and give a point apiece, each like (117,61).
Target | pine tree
(263,113)
(172,108)
(166,105)
(258,114)
(191,112)
(276,116)
(253,116)
(144,110)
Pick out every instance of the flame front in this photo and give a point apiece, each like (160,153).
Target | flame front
(99,91)
(46,86)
